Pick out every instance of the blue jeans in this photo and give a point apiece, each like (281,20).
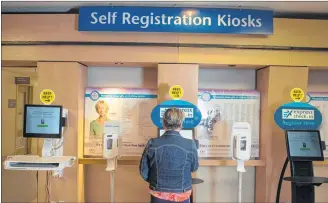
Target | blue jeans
(157,200)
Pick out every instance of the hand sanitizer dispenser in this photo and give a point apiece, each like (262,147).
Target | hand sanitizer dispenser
(241,144)
(111,147)
(241,149)
(111,144)
(111,150)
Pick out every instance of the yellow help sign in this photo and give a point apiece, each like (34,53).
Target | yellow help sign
(47,96)
(176,92)
(297,94)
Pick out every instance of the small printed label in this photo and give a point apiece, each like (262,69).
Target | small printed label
(298,114)
(176,92)
(297,94)
(47,96)
(189,112)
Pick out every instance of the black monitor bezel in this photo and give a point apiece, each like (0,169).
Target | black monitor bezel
(293,158)
(38,135)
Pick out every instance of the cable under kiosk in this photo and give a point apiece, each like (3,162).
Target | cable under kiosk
(301,122)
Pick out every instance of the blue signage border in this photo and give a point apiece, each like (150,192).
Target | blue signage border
(176,20)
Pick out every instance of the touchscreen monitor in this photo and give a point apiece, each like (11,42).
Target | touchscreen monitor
(304,145)
(42,121)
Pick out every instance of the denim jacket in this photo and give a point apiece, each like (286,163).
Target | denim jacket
(168,161)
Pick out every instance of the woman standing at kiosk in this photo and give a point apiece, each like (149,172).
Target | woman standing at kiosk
(168,161)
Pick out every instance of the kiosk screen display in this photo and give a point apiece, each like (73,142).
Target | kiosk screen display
(188,134)
(304,145)
(42,121)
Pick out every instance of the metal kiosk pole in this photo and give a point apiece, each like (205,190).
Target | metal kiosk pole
(195,181)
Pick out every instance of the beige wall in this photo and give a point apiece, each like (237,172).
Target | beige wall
(17,186)
(318,81)
(68,80)
(22,27)
(286,33)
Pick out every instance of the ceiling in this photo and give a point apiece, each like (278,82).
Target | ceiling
(280,8)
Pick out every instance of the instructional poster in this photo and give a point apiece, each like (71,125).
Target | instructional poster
(220,109)
(131,107)
(320,100)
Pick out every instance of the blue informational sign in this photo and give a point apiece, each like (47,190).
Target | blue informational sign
(176,20)
(193,116)
(298,116)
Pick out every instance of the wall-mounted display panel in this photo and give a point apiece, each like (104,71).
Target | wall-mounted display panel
(132,107)
(220,109)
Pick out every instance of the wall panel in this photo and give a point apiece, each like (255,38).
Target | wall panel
(318,82)
(127,178)
(221,183)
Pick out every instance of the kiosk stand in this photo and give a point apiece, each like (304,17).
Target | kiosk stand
(300,121)
(303,147)
(48,122)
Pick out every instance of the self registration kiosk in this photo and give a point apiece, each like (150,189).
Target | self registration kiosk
(47,122)
(303,147)
(303,143)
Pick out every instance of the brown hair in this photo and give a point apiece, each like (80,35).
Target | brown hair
(173,118)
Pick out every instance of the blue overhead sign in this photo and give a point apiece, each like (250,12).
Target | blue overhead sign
(193,116)
(176,20)
(298,116)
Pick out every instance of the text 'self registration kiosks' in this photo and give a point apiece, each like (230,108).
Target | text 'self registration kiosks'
(193,116)
(301,122)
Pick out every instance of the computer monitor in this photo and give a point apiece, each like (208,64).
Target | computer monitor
(42,121)
(186,133)
(304,145)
